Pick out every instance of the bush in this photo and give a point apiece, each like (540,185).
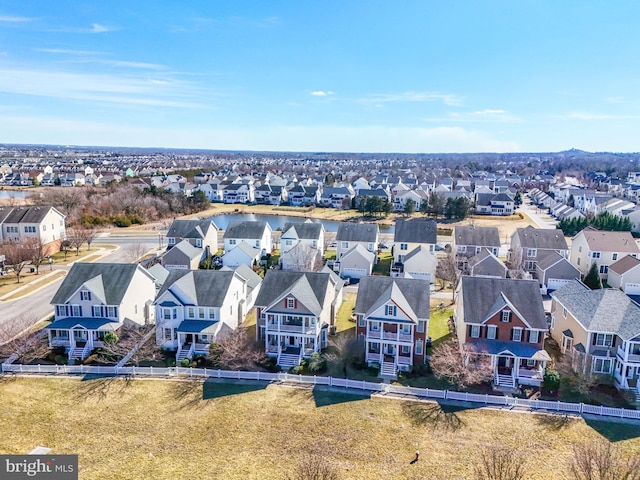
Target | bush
(316,363)
(185,362)
(551,380)
(171,362)
(269,364)
(110,337)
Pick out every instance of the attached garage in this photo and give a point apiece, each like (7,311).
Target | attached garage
(556,283)
(353,272)
(632,289)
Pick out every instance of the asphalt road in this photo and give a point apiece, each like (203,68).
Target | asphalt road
(36,306)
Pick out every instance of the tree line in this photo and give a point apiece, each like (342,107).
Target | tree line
(602,221)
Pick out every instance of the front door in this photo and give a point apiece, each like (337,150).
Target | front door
(567,343)
(292,341)
(80,335)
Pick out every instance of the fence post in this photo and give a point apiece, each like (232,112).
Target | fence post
(330,381)
(558,406)
(39,370)
(446,392)
(581,407)
(150,369)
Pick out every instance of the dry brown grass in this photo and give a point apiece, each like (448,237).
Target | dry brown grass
(32,281)
(185,430)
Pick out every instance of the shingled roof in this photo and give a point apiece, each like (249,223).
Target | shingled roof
(207,288)
(310,288)
(606,310)
(245,229)
(411,295)
(416,230)
(476,236)
(550,239)
(483,296)
(357,232)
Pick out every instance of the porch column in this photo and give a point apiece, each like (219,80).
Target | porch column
(72,339)
(49,336)
(515,372)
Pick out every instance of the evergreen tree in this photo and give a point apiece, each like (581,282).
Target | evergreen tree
(592,278)
(517,200)
(409,207)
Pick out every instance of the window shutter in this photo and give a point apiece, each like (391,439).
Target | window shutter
(469,331)
(526,335)
(594,338)
(295,303)
(512,334)
(497,333)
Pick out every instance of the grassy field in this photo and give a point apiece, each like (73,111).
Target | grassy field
(438,324)
(184,430)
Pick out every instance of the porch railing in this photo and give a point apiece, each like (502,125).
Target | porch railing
(627,357)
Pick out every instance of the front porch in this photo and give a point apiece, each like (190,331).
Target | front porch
(79,337)
(510,371)
(390,357)
(195,338)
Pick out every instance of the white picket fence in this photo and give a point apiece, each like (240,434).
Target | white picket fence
(486,399)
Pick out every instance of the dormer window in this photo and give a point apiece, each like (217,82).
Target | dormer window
(614,256)
(531,252)
(85,295)
(506,316)
(390,310)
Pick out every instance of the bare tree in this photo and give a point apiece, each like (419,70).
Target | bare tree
(303,258)
(516,264)
(130,337)
(16,256)
(576,367)
(448,271)
(76,238)
(601,461)
(135,251)
(345,349)
(499,462)
(460,367)
(236,350)
(65,245)
(90,235)
(313,467)
(17,337)
(37,249)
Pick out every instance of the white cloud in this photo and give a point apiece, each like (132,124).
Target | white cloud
(321,93)
(586,116)
(14,19)
(106,88)
(479,116)
(67,51)
(97,28)
(447,99)
(489,112)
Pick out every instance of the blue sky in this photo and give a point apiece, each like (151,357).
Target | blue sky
(372,76)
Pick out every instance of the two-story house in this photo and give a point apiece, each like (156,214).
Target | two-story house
(194,308)
(256,234)
(602,248)
(96,298)
(294,311)
(392,316)
(600,330)
(503,318)
(625,275)
(238,193)
(47,224)
(494,204)
(308,233)
(201,233)
(527,243)
(356,247)
(470,240)
(409,236)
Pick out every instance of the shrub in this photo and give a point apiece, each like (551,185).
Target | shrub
(551,380)
(110,337)
(61,359)
(316,363)
(171,362)
(268,363)
(185,362)
(299,370)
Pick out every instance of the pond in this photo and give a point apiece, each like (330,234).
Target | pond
(12,194)
(278,221)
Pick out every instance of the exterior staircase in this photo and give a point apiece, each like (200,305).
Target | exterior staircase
(288,360)
(184,353)
(388,369)
(79,352)
(505,381)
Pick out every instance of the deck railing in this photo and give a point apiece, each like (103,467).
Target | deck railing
(427,393)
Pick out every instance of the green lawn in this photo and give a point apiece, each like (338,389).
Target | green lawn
(438,324)
(153,429)
(384,265)
(345,312)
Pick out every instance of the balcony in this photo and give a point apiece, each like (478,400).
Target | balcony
(273,327)
(627,357)
(397,268)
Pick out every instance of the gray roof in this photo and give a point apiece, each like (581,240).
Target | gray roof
(112,279)
(476,236)
(486,263)
(484,296)
(416,230)
(305,230)
(310,288)
(190,228)
(28,214)
(357,232)
(409,294)
(548,259)
(550,239)
(185,248)
(207,287)
(90,323)
(519,349)
(605,310)
(245,229)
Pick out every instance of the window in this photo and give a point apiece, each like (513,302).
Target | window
(421,325)
(390,310)
(112,312)
(603,340)
(529,265)
(531,252)
(201,313)
(96,311)
(212,314)
(531,363)
(578,260)
(291,303)
(418,347)
(29,229)
(580,249)
(462,249)
(517,334)
(171,241)
(44,228)
(85,295)
(232,241)
(601,365)
(76,311)
(406,329)
(534,336)
(198,243)
(166,313)
(361,322)
(288,243)
(506,316)
(404,246)
(405,349)
(491,332)
(191,312)
(604,269)
(375,326)
(564,312)
(614,256)
(475,331)
(595,255)
(344,244)
(167,334)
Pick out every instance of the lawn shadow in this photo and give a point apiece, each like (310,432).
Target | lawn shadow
(325,398)
(212,389)
(615,431)
(434,415)
(99,386)
(553,421)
